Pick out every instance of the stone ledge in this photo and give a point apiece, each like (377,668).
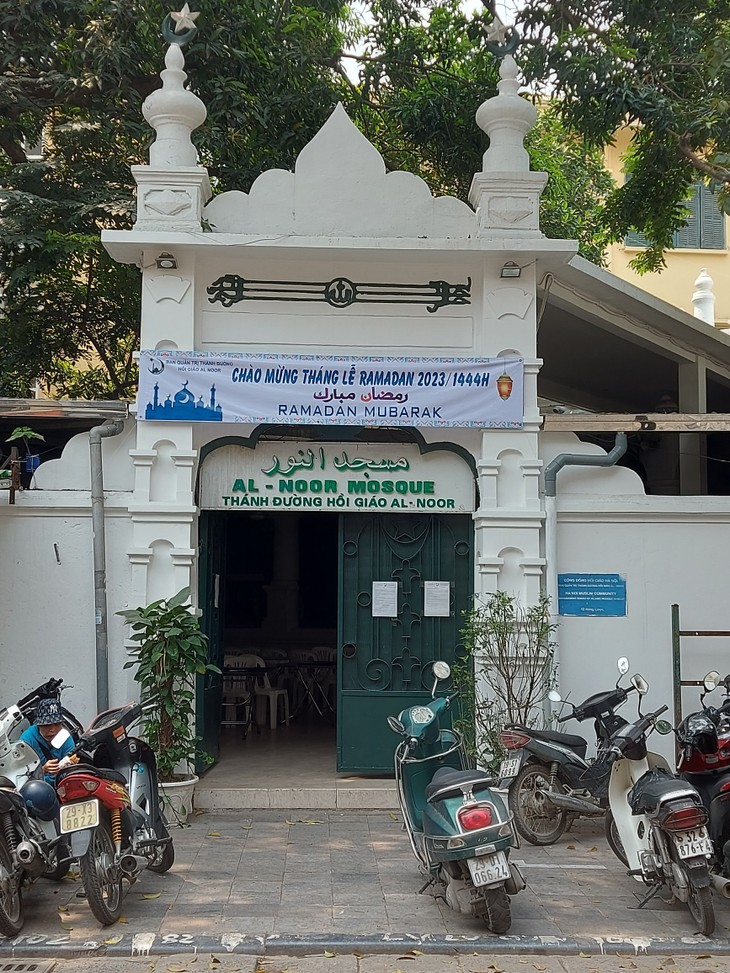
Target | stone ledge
(331,798)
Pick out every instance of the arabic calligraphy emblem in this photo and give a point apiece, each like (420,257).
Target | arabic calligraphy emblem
(357,464)
(340,292)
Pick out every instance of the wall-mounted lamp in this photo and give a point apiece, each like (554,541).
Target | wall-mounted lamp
(510,269)
(166,261)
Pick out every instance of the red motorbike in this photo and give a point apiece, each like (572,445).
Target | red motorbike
(704,762)
(111,810)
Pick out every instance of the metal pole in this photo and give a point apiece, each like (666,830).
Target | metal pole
(676,667)
(112,427)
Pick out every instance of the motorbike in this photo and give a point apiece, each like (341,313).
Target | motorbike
(656,823)
(459,828)
(704,761)
(31,845)
(545,770)
(111,810)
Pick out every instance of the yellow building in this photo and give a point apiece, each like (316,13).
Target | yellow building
(703,244)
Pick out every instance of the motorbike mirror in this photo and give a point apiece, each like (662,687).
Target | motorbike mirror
(664,727)
(554,696)
(441,669)
(711,681)
(60,738)
(396,725)
(640,684)
(623,665)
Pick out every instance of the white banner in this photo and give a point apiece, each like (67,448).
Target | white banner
(338,391)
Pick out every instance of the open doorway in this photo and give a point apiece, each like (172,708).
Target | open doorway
(278,601)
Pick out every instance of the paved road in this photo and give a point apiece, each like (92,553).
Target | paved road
(404,963)
(277,883)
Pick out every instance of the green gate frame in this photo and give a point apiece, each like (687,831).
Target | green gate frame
(677,681)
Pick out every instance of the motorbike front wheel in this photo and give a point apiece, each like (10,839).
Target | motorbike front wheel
(101,875)
(537,820)
(11,899)
(702,909)
(62,865)
(614,838)
(164,857)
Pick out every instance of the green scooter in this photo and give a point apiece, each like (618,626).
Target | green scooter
(459,828)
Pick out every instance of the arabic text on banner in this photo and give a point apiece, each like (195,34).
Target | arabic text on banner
(349,391)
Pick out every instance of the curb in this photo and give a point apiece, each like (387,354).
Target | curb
(152,944)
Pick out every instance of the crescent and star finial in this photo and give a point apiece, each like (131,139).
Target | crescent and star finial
(501,39)
(179,28)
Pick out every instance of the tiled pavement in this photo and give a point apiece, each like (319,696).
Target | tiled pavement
(274,878)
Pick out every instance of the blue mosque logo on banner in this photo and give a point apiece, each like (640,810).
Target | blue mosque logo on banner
(183,406)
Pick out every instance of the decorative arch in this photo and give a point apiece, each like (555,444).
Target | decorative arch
(335,434)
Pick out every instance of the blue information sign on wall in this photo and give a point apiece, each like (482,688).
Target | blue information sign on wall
(591,594)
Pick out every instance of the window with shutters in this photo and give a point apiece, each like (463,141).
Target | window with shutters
(704,229)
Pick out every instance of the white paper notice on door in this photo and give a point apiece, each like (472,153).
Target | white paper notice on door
(385,599)
(437,598)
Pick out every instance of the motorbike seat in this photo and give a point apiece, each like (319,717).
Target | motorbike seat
(106,773)
(646,794)
(570,740)
(448,781)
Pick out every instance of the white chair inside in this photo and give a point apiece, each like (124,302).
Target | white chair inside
(276,697)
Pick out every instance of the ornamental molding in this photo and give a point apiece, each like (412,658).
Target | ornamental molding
(340,292)
(167,202)
(341,188)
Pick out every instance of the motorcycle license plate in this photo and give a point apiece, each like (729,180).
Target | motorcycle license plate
(689,844)
(488,869)
(77,817)
(509,767)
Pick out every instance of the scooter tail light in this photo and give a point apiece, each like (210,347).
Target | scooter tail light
(513,740)
(685,818)
(61,791)
(474,818)
(91,785)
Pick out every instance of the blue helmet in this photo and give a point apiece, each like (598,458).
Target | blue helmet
(40,799)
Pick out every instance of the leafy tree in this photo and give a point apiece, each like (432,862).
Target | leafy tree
(76,73)
(662,67)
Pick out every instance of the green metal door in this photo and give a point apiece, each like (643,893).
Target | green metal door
(212,561)
(385,662)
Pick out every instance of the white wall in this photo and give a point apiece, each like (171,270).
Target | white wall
(672,551)
(47,609)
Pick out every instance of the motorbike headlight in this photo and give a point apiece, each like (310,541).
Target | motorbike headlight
(421,714)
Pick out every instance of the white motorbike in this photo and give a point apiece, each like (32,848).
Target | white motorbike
(655,823)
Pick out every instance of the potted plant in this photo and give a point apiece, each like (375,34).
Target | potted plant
(507,668)
(171,653)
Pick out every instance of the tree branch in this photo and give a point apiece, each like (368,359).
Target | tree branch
(12,149)
(714,172)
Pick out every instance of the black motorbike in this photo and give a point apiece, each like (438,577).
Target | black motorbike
(31,845)
(547,772)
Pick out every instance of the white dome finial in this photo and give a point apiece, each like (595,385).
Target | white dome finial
(174,112)
(506,118)
(703,298)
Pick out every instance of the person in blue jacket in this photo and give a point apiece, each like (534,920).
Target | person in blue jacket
(48,722)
